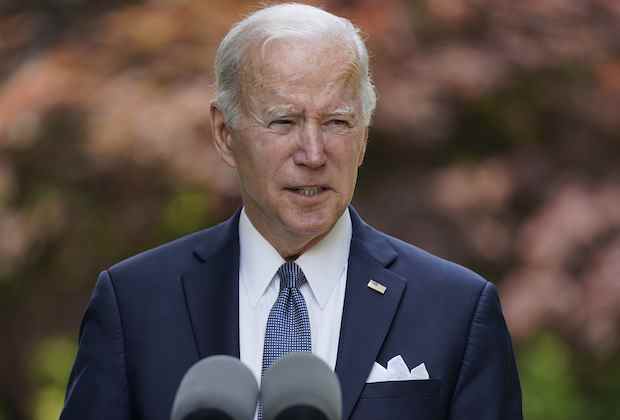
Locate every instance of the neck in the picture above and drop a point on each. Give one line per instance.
(291, 250)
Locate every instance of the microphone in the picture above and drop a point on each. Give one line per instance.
(216, 388)
(300, 386)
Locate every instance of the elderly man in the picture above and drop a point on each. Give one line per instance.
(409, 335)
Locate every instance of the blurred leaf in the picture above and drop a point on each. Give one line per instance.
(48, 403)
(550, 390)
(51, 364)
(187, 211)
(52, 360)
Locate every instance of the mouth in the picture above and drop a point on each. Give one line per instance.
(308, 191)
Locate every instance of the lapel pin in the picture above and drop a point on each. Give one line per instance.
(377, 287)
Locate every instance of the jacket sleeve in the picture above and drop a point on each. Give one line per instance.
(98, 382)
(488, 386)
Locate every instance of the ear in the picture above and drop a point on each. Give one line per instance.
(363, 148)
(222, 135)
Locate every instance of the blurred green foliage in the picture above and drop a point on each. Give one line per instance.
(561, 384)
(550, 387)
(185, 212)
(52, 358)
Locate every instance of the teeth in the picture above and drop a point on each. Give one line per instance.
(309, 191)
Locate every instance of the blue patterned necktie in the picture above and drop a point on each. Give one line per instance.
(288, 325)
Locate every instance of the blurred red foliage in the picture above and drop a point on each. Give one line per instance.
(495, 143)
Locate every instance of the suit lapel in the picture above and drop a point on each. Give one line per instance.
(212, 291)
(212, 294)
(367, 314)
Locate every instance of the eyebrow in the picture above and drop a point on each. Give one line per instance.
(346, 110)
(279, 110)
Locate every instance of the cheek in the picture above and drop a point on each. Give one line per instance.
(260, 168)
(351, 153)
(250, 153)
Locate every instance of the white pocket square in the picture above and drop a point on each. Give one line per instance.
(397, 370)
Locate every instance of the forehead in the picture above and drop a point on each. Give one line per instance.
(302, 69)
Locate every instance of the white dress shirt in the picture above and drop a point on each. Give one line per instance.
(325, 268)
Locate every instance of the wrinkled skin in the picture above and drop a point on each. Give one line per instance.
(298, 142)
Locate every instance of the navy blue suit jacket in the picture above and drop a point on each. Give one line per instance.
(153, 316)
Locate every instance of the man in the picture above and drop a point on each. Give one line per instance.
(294, 102)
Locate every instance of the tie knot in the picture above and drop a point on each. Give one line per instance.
(291, 275)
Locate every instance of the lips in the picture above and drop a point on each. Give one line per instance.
(308, 191)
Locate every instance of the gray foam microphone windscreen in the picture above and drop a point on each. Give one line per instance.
(216, 388)
(301, 383)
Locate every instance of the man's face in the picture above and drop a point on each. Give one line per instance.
(298, 142)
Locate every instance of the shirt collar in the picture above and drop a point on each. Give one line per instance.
(322, 264)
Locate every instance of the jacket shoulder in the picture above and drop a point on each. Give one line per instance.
(431, 270)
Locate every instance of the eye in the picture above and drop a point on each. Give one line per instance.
(281, 122)
(339, 123)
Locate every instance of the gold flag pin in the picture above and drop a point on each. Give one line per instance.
(377, 287)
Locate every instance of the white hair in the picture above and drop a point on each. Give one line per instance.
(289, 20)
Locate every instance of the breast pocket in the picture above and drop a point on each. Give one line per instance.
(399, 400)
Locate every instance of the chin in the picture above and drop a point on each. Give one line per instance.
(312, 224)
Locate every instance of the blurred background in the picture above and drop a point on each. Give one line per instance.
(496, 144)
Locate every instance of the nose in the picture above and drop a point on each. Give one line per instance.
(311, 148)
